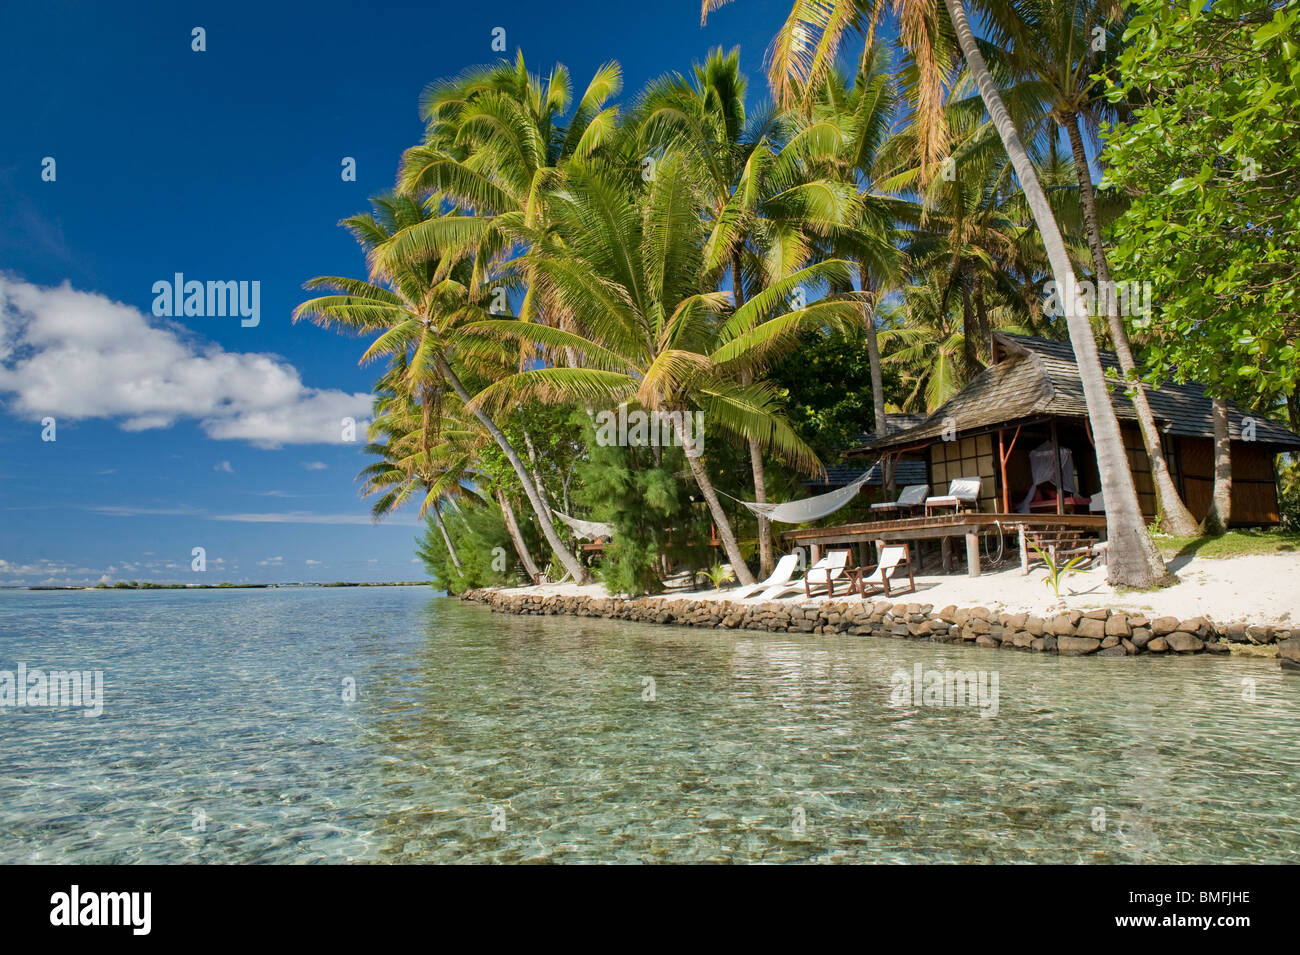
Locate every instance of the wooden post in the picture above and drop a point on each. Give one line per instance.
(815, 551)
(1056, 467)
(1024, 551)
(973, 553)
(945, 553)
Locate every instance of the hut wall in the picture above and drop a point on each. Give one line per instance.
(1254, 480)
(1139, 464)
(966, 457)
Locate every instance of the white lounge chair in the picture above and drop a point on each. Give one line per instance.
(892, 559)
(962, 492)
(785, 568)
(913, 496)
(820, 576)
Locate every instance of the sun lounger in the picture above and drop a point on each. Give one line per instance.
(785, 569)
(867, 580)
(962, 493)
(913, 497)
(821, 576)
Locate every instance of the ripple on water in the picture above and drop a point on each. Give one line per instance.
(224, 738)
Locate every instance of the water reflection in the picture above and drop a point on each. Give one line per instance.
(478, 737)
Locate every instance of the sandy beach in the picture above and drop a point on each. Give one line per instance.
(1259, 589)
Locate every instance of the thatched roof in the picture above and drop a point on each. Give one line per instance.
(1039, 379)
(907, 472)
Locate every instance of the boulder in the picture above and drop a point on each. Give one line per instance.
(1077, 646)
(1118, 626)
(1185, 642)
(1091, 627)
(1164, 625)
(1141, 636)
(1158, 645)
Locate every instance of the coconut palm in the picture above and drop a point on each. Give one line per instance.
(421, 312)
(763, 205)
(1063, 49)
(806, 49)
(629, 264)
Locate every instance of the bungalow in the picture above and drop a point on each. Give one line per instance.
(1021, 426)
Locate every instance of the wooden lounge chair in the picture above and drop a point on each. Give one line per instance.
(892, 559)
(785, 568)
(823, 574)
(913, 497)
(962, 493)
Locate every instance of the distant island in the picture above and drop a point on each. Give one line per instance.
(226, 585)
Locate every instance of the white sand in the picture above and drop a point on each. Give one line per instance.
(1261, 589)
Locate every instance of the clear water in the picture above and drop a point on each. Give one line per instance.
(225, 738)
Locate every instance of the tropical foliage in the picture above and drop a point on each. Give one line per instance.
(789, 272)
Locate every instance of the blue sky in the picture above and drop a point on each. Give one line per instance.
(223, 165)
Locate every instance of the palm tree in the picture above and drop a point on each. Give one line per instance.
(421, 313)
(1055, 48)
(628, 263)
(1133, 559)
(761, 203)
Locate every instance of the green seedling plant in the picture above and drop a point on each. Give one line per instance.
(1056, 570)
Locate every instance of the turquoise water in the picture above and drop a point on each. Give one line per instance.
(487, 738)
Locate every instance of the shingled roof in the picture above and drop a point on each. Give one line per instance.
(1039, 378)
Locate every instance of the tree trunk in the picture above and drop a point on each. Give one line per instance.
(1220, 513)
(446, 539)
(766, 560)
(1132, 558)
(516, 538)
(877, 378)
(701, 475)
(1175, 517)
(571, 563)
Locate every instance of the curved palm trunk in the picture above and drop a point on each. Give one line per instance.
(446, 539)
(571, 563)
(701, 475)
(877, 378)
(1132, 558)
(1175, 516)
(516, 538)
(766, 560)
(1220, 513)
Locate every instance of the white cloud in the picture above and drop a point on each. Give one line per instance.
(315, 465)
(78, 355)
(271, 562)
(224, 466)
(314, 563)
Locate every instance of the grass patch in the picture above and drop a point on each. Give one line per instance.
(1231, 544)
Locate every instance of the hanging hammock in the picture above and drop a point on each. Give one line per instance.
(810, 508)
(590, 530)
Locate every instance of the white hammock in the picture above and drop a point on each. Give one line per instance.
(589, 530)
(810, 508)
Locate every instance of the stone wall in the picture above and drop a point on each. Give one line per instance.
(1075, 633)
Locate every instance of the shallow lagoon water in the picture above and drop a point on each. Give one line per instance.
(225, 738)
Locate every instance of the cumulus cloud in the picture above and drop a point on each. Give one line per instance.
(224, 466)
(78, 355)
(315, 465)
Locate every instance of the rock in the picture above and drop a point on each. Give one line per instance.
(1100, 614)
(1129, 646)
(1218, 646)
(1185, 642)
(1260, 635)
(1117, 626)
(984, 640)
(1158, 645)
(1061, 626)
(1091, 627)
(1290, 650)
(1110, 642)
(1035, 626)
(1163, 625)
(1077, 646)
(1043, 644)
(1015, 621)
(1020, 638)
(1141, 636)
(1196, 625)
(1115, 651)
(1235, 633)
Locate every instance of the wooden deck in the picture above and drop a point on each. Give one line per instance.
(945, 527)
